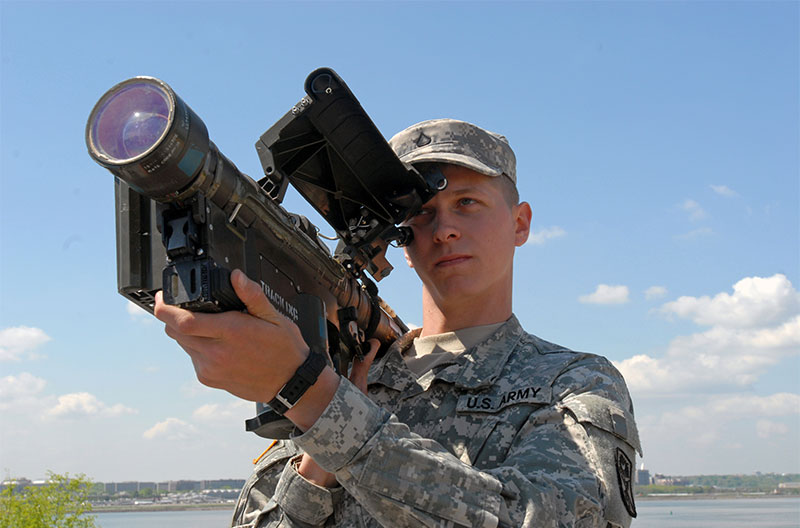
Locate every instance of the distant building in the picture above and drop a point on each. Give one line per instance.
(643, 476)
(223, 483)
(17, 483)
(665, 480)
(120, 487)
(170, 486)
(188, 485)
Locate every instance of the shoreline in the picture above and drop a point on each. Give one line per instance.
(713, 496)
(126, 508)
(220, 506)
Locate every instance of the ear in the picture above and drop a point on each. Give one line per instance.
(408, 259)
(522, 223)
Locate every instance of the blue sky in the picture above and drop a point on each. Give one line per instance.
(657, 143)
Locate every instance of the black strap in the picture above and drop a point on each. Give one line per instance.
(305, 376)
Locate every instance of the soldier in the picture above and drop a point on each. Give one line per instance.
(467, 421)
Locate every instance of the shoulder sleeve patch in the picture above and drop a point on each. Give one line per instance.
(625, 480)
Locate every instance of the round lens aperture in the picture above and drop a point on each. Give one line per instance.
(131, 120)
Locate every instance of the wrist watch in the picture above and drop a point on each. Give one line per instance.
(305, 376)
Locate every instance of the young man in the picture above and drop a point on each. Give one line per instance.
(468, 421)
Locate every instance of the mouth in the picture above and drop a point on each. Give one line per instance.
(451, 260)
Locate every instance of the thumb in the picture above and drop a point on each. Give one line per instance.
(251, 294)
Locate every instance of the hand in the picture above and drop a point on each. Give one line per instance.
(251, 355)
(360, 369)
(309, 469)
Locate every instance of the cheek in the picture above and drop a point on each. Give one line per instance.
(408, 257)
(498, 241)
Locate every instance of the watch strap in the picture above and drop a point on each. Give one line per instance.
(304, 377)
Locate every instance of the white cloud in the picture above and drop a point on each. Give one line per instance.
(234, 411)
(748, 405)
(20, 390)
(768, 429)
(696, 233)
(171, 429)
(655, 292)
(19, 341)
(756, 301)
(84, 404)
(606, 294)
(541, 236)
(711, 423)
(696, 212)
(724, 190)
(750, 331)
(717, 357)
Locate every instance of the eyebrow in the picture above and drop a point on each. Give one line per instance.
(471, 189)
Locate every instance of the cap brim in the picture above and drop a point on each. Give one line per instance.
(469, 162)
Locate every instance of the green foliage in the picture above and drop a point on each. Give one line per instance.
(743, 483)
(146, 493)
(758, 483)
(61, 503)
(658, 489)
(98, 488)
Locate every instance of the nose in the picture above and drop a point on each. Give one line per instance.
(445, 228)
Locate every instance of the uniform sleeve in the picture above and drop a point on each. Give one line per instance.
(551, 475)
(277, 495)
(400, 478)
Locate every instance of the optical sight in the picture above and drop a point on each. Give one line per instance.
(143, 133)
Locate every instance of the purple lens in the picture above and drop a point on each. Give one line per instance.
(131, 121)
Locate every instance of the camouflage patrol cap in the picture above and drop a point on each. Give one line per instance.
(457, 142)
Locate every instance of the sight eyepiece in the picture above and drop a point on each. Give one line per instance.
(147, 136)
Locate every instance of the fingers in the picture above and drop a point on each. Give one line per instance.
(187, 341)
(251, 355)
(253, 297)
(358, 374)
(210, 325)
(184, 321)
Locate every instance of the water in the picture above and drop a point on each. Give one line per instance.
(166, 519)
(704, 513)
(719, 513)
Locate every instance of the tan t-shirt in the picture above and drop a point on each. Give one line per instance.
(431, 351)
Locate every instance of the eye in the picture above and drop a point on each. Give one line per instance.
(419, 217)
(467, 201)
(422, 212)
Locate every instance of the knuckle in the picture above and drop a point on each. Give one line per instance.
(185, 324)
(202, 378)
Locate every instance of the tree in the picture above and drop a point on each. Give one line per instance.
(146, 493)
(62, 502)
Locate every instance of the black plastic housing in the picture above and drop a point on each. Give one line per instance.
(184, 231)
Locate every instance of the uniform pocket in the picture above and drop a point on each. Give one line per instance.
(255, 499)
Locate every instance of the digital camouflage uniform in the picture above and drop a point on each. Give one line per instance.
(515, 431)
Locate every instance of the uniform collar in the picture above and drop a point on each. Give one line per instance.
(476, 367)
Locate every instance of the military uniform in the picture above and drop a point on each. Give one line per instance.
(515, 431)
